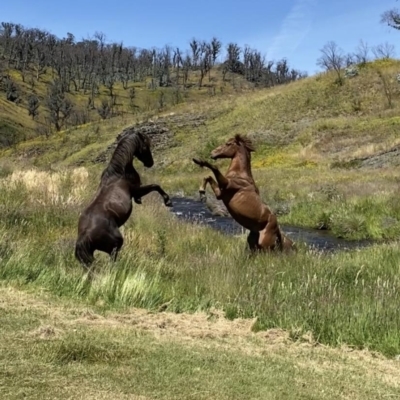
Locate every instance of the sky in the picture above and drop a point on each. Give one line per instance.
(294, 29)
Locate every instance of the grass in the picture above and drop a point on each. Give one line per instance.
(53, 349)
(346, 298)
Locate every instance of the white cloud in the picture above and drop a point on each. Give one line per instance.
(293, 30)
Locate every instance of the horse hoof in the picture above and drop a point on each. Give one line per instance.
(203, 196)
(198, 162)
(168, 203)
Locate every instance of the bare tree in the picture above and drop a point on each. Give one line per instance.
(33, 106)
(362, 53)
(233, 58)
(59, 106)
(186, 66)
(205, 61)
(177, 62)
(195, 46)
(384, 51)
(105, 109)
(216, 46)
(387, 85)
(332, 59)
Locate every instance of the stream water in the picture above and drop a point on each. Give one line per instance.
(195, 211)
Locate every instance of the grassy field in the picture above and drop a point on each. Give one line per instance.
(63, 349)
(307, 325)
(247, 327)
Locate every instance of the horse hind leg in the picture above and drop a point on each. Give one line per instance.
(116, 243)
(271, 237)
(253, 241)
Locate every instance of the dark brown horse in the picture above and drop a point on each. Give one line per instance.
(240, 194)
(98, 226)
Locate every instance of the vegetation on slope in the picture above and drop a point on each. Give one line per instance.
(55, 83)
(310, 137)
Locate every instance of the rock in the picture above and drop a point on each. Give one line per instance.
(158, 130)
(389, 158)
(158, 133)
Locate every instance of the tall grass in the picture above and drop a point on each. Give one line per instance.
(347, 297)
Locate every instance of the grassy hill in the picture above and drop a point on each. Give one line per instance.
(326, 157)
(17, 125)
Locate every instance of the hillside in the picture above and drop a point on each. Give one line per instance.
(316, 141)
(313, 115)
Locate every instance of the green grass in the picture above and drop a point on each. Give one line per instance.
(61, 349)
(346, 298)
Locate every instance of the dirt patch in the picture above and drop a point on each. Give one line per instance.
(388, 158)
(46, 332)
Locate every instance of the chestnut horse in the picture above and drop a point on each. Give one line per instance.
(98, 226)
(239, 192)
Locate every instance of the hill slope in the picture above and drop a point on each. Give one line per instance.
(310, 137)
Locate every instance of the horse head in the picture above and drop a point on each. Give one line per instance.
(143, 152)
(231, 147)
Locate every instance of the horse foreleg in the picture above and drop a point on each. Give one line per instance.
(146, 189)
(214, 186)
(222, 181)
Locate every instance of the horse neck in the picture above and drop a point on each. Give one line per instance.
(121, 159)
(241, 163)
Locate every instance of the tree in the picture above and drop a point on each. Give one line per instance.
(195, 46)
(216, 46)
(233, 58)
(33, 106)
(391, 18)
(385, 51)
(332, 59)
(105, 109)
(60, 107)
(362, 53)
(11, 89)
(205, 63)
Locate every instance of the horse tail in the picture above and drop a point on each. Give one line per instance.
(83, 252)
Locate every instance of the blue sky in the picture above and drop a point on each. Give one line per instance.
(295, 29)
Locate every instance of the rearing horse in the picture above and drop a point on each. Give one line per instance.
(98, 226)
(240, 194)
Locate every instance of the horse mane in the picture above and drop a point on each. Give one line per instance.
(245, 141)
(123, 154)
